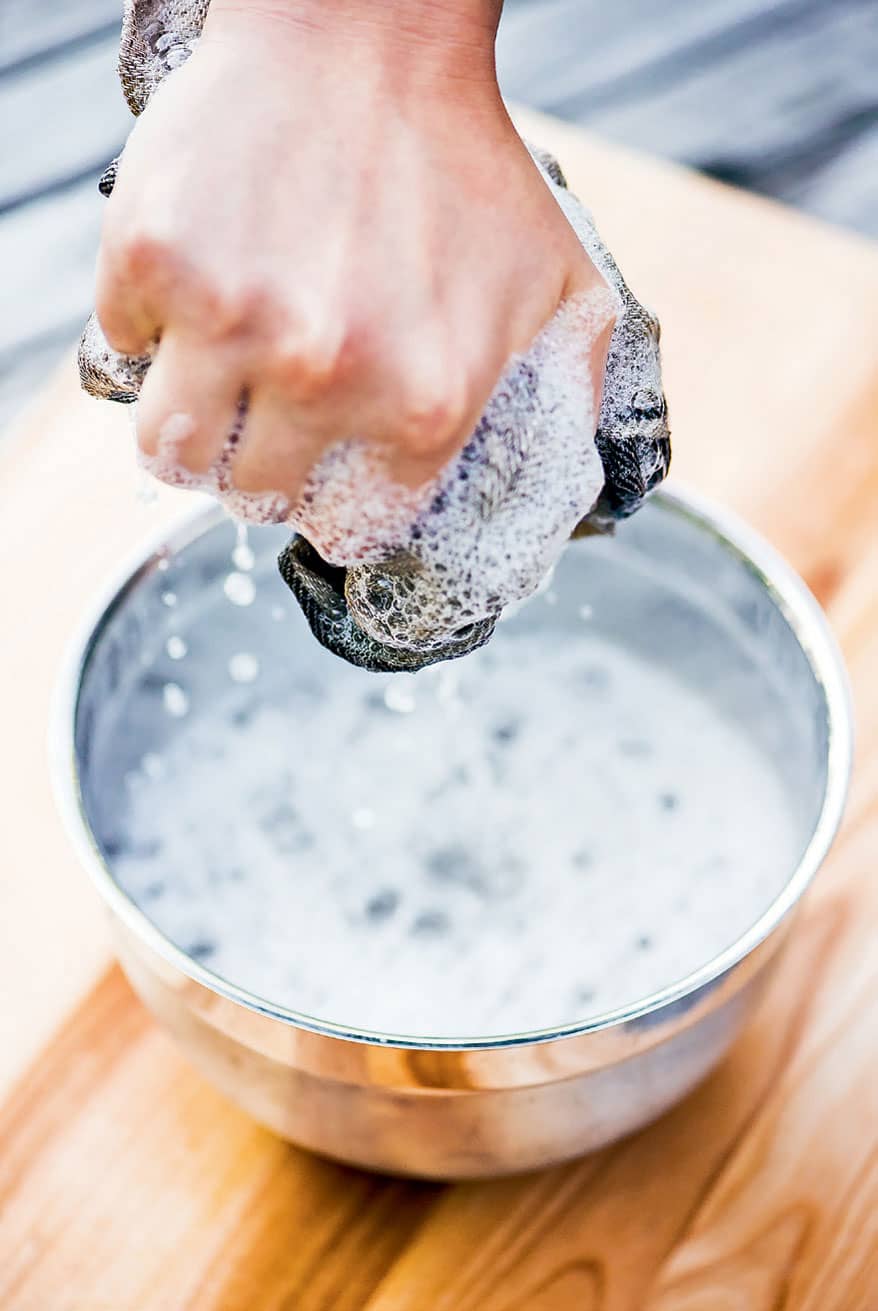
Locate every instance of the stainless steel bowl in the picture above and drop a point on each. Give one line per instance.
(682, 580)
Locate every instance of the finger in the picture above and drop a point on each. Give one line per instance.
(418, 408)
(188, 402)
(414, 465)
(129, 324)
(126, 323)
(280, 444)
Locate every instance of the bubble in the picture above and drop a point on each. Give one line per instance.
(176, 647)
(399, 696)
(163, 564)
(169, 599)
(586, 612)
(363, 818)
(243, 667)
(239, 588)
(175, 699)
(278, 613)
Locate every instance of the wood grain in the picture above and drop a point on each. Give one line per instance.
(127, 1184)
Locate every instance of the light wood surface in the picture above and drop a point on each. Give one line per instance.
(127, 1184)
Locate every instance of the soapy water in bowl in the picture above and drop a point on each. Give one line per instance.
(541, 832)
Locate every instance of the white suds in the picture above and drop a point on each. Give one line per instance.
(484, 532)
(512, 866)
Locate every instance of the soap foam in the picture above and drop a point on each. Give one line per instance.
(483, 532)
(452, 853)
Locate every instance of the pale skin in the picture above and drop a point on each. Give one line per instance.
(374, 281)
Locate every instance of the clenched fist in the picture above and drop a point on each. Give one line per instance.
(326, 211)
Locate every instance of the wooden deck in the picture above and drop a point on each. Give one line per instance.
(776, 95)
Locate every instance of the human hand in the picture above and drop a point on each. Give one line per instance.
(334, 216)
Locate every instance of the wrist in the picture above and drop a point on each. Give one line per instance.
(446, 38)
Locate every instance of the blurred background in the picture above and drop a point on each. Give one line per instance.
(779, 96)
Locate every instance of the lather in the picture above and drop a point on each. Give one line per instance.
(396, 580)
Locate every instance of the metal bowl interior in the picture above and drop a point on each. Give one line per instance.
(681, 583)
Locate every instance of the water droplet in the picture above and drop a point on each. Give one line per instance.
(398, 696)
(242, 556)
(363, 817)
(585, 612)
(176, 647)
(278, 613)
(152, 765)
(243, 667)
(175, 699)
(169, 599)
(163, 564)
(239, 588)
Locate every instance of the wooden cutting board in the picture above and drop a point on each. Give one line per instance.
(128, 1184)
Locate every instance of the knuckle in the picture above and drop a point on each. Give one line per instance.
(433, 405)
(233, 310)
(431, 415)
(309, 364)
(141, 255)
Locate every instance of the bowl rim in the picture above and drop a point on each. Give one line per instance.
(788, 592)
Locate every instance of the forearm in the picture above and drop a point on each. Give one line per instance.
(455, 37)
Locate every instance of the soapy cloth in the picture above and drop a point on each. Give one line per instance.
(391, 578)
